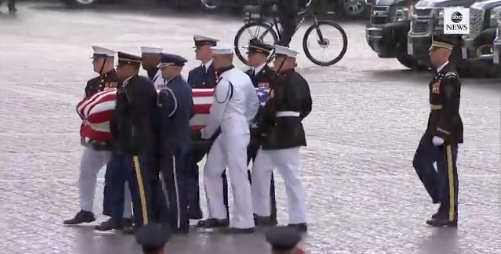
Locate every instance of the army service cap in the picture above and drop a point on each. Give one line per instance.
(283, 238)
(222, 49)
(285, 51)
(153, 235)
(257, 46)
(102, 52)
(441, 42)
(128, 59)
(171, 60)
(201, 40)
(151, 50)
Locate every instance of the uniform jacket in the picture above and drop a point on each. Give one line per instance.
(290, 102)
(444, 120)
(263, 77)
(103, 82)
(156, 78)
(132, 122)
(199, 77)
(175, 104)
(235, 104)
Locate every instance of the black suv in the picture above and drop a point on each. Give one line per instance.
(387, 30)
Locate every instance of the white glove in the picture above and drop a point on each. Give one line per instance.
(437, 141)
(202, 131)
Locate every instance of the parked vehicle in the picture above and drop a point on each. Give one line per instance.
(386, 32)
(496, 44)
(428, 21)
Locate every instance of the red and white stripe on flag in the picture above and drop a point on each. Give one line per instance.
(96, 111)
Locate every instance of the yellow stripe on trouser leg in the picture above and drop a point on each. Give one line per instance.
(140, 185)
(450, 173)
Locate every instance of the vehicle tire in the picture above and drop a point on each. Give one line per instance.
(79, 3)
(411, 63)
(266, 28)
(325, 42)
(354, 9)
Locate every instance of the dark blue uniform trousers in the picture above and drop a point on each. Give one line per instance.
(173, 172)
(137, 171)
(111, 190)
(442, 183)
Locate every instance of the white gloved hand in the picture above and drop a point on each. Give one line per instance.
(202, 132)
(437, 141)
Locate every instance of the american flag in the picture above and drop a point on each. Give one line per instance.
(263, 94)
(95, 111)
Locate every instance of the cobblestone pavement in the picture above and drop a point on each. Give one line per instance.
(368, 116)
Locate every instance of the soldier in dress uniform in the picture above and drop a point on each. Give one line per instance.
(96, 154)
(283, 134)
(175, 104)
(203, 76)
(439, 144)
(151, 59)
(261, 75)
(235, 106)
(132, 125)
(284, 240)
(153, 238)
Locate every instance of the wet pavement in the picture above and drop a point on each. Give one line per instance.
(368, 116)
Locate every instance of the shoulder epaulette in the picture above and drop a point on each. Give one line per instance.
(450, 75)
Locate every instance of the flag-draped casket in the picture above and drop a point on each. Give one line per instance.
(95, 111)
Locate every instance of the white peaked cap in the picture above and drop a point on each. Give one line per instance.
(153, 50)
(281, 50)
(222, 49)
(103, 51)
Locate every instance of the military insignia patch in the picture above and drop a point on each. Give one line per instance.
(435, 88)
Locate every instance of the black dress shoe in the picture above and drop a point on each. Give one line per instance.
(128, 222)
(213, 223)
(441, 222)
(238, 231)
(81, 217)
(264, 221)
(301, 227)
(129, 231)
(109, 225)
(195, 214)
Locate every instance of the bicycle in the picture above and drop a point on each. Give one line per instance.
(255, 18)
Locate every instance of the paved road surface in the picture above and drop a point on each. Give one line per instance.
(368, 115)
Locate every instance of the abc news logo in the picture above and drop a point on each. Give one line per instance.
(456, 19)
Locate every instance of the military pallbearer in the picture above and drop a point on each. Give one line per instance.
(439, 144)
(282, 136)
(175, 104)
(235, 106)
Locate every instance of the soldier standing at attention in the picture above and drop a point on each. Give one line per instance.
(261, 75)
(203, 76)
(96, 153)
(235, 106)
(132, 124)
(283, 134)
(175, 108)
(442, 137)
(151, 59)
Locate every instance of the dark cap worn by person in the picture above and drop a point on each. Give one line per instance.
(256, 46)
(201, 40)
(167, 59)
(441, 42)
(283, 238)
(128, 59)
(153, 237)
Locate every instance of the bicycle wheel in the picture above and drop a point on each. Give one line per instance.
(263, 30)
(322, 40)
